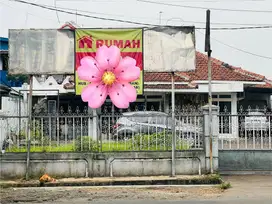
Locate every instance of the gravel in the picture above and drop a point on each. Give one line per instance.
(62, 194)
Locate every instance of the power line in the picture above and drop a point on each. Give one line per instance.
(238, 49)
(208, 1)
(49, 19)
(241, 28)
(230, 46)
(174, 19)
(205, 8)
(55, 3)
(84, 15)
(128, 21)
(241, 50)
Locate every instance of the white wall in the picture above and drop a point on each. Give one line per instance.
(1, 64)
(9, 117)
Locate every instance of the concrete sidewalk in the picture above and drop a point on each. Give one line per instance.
(119, 181)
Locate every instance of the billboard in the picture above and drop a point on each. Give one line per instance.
(169, 49)
(129, 41)
(41, 51)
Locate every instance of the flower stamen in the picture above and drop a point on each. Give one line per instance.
(108, 78)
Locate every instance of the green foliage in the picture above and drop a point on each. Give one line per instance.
(162, 139)
(35, 134)
(156, 141)
(225, 185)
(86, 143)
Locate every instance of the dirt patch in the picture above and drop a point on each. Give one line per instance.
(25, 195)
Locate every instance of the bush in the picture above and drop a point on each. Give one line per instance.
(157, 141)
(225, 185)
(86, 143)
(35, 134)
(154, 140)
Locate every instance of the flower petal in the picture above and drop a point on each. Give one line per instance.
(127, 70)
(88, 71)
(108, 57)
(124, 64)
(128, 90)
(95, 94)
(118, 97)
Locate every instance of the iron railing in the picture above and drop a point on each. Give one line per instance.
(248, 129)
(73, 131)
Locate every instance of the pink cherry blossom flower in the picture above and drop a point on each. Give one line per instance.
(109, 74)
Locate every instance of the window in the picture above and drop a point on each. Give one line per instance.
(52, 106)
(224, 96)
(214, 96)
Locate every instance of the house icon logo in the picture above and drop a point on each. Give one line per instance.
(85, 42)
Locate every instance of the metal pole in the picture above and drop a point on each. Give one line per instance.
(29, 125)
(173, 167)
(210, 110)
(209, 51)
(18, 140)
(160, 15)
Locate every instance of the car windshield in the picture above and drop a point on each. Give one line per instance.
(256, 114)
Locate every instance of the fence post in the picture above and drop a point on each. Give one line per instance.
(215, 135)
(95, 125)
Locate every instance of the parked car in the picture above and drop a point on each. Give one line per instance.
(256, 121)
(149, 122)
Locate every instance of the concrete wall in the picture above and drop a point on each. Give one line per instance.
(8, 124)
(13, 165)
(245, 161)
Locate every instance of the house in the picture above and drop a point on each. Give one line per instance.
(9, 97)
(234, 89)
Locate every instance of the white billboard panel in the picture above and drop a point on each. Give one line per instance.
(169, 49)
(41, 51)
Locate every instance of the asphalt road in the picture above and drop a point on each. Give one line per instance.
(245, 190)
(236, 201)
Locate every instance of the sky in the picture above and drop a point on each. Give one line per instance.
(249, 49)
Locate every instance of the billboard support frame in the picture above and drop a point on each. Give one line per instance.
(173, 164)
(29, 126)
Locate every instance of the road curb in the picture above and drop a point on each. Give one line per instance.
(148, 181)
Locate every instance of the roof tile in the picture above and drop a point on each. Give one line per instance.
(220, 71)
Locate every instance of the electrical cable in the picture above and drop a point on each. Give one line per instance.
(134, 22)
(238, 49)
(205, 8)
(55, 3)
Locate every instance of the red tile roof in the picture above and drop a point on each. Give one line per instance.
(220, 71)
(168, 86)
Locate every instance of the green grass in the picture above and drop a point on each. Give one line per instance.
(154, 142)
(225, 185)
(106, 147)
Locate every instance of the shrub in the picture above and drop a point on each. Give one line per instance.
(225, 185)
(35, 133)
(157, 141)
(86, 143)
(154, 140)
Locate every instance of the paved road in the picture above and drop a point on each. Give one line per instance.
(237, 201)
(245, 190)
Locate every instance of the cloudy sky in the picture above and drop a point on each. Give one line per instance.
(249, 49)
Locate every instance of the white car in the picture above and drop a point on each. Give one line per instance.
(256, 121)
(148, 122)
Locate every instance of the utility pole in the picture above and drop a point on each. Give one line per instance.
(173, 166)
(209, 52)
(160, 15)
(29, 127)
